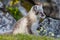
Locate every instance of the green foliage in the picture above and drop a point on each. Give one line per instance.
(25, 37)
(15, 12)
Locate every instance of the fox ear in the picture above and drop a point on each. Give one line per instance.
(35, 8)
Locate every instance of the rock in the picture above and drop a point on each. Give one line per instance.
(5, 2)
(20, 8)
(51, 27)
(53, 10)
(6, 21)
(1, 5)
(58, 5)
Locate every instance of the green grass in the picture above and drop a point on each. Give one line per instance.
(25, 37)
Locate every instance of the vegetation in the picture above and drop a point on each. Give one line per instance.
(24, 37)
(15, 12)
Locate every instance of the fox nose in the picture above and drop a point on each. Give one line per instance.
(42, 15)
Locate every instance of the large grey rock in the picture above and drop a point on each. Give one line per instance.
(21, 9)
(6, 2)
(56, 9)
(50, 27)
(6, 22)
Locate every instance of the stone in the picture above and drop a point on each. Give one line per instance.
(6, 2)
(1, 5)
(6, 21)
(51, 27)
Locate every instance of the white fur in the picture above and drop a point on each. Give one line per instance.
(21, 25)
(34, 28)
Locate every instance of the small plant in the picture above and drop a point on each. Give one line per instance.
(14, 12)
